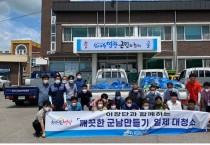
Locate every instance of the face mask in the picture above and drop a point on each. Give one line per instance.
(118, 97)
(104, 100)
(71, 81)
(74, 104)
(113, 107)
(100, 105)
(135, 91)
(129, 105)
(46, 109)
(207, 90)
(57, 81)
(64, 81)
(79, 77)
(152, 92)
(84, 91)
(45, 81)
(146, 108)
(171, 89)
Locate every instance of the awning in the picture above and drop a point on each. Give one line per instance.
(13, 58)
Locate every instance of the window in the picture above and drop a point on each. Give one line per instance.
(168, 64)
(24, 69)
(206, 62)
(207, 73)
(70, 33)
(20, 49)
(116, 32)
(193, 32)
(163, 31)
(181, 64)
(154, 64)
(190, 63)
(33, 62)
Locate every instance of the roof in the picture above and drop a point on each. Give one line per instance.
(26, 41)
(13, 58)
(134, 6)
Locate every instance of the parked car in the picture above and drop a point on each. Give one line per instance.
(4, 82)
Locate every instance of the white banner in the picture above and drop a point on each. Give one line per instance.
(116, 44)
(123, 123)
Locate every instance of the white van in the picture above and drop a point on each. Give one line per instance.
(202, 73)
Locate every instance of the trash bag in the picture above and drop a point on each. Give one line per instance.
(145, 81)
(104, 85)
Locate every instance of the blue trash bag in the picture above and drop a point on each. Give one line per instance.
(124, 85)
(155, 81)
(177, 84)
(104, 85)
(115, 85)
(145, 81)
(163, 83)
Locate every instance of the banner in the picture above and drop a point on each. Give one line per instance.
(116, 44)
(123, 123)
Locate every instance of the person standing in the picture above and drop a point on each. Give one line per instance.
(79, 82)
(205, 97)
(137, 95)
(85, 96)
(64, 79)
(43, 90)
(194, 89)
(71, 89)
(57, 95)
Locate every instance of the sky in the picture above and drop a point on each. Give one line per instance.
(18, 21)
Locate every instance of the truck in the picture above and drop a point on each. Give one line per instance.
(109, 75)
(29, 91)
(161, 73)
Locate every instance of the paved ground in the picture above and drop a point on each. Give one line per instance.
(16, 127)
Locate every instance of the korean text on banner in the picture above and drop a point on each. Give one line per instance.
(123, 123)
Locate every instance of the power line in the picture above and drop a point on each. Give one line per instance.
(19, 17)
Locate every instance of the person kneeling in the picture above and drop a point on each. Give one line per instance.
(39, 122)
(74, 105)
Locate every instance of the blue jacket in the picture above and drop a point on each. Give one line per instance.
(134, 106)
(78, 107)
(119, 103)
(79, 83)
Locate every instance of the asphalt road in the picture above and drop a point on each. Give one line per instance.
(16, 127)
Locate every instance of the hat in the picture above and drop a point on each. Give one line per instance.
(117, 93)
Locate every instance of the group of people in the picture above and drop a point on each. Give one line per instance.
(70, 94)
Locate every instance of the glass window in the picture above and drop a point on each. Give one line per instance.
(67, 34)
(180, 32)
(201, 73)
(53, 38)
(91, 32)
(79, 32)
(21, 49)
(143, 31)
(129, 31)
(206, 62)
(104, 33)
(190, 63)
(155, 64)
(119, 32)
(85, 66)
(205, 32)
(192, 32)
(181, 64)
(167, 33)
(168, 64)
(207, 73)
(53, 29)
(57, 66)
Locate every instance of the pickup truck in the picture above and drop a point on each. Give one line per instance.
(162, 73)
(28, 92)
(109, 76)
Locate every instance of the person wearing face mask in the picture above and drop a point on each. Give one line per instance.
(85, 97)
(205, 97)
(57, 94)
(71, 89)
(100, 106)
(119, 101)
(112, 105)
(145, 105)
(74, 105)
(159, 104)
(137, 95)
(43, 90)
(39, 122)
(64, 79)
(174, 104)
(79, 82)
(151, 95)
(129, 105)
(168, 91)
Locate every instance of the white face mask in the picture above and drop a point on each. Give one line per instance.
(74, 104)
(118, 97)
(100, 105)
(129, 105)
(79, 77)
(46, 109)
(207, 90)
(45, 81)
(71, 81)
(152, 92)
(171, 89)
(84, 91)
(104, 100)
(135, 91)
(113, 107)
(57, 81)
(146, 108)
(64, 81)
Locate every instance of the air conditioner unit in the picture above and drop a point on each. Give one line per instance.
(50, 52)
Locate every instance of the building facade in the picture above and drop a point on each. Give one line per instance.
(30, 49)
(183, 26)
